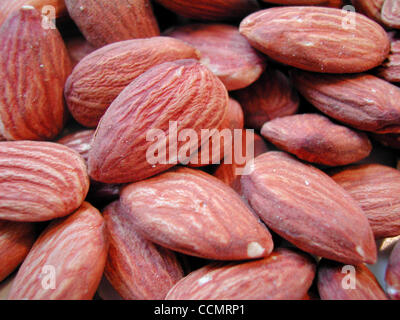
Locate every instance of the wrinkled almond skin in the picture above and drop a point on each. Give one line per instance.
(16, 239)
(102, 75)
(327, 3)
(361, 101)
(391, 13)
(137, 268)
(40, 180)
(103, 22)
(306, 207)
(78, 48)
(392, 276)
(284, 275)
(225, 52)
(332, 284)
(211, 9)
(38, 113)
(271, 96)
(189, 211)
(370, 8)
(390, 69)
(76, 247)
(183, 91)
(314, 138)
(377, 190)
(315, 39)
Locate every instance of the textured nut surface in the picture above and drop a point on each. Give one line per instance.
(390, 69)
(392, 276)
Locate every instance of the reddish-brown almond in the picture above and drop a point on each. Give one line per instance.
(78, 48)
(392, 276)
(103, 22)
(271, 96)
(314, 138)
(284, 275)
(40, 180)
(390, 69)
(16, 239)
(327, 3)
(80, 141)
(391, 140)
(225, 52)
(101, 76)
(306, 207)
(391, 13)
(31, 98)
(211, 9)
(67, 261)
(192, 212)
(361, 101)
(136, 268)
(317, 39)
(128, 140)
(370, 8)
(377, 190)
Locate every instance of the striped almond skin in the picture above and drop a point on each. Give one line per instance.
(334, 282)
(361, 101)
(284, 275)
(212, 10)
(390, 69)
(192, 212)
(225, 52)
(370, 8)
(306, 207)
(314, 138)
(16, 239)
(327, 3)
(136, 268)
(40, 181)
(31, 98)
(102, 75)
(317, 39)
(392, 276)
(271, 96)
(73, 250)
(103, 22)
(391, 13)
(376, 188)
(129, 142)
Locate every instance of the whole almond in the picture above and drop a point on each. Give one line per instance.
(391, 13)
(285, 275)
(192, 212)
(31, 98)
(370, 8)
(40, 180)
(317, 39)
(392, 276)
(306, 207)
(102, 75)
(390, 69)
(314, 138)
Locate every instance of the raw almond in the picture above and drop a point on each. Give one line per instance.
(390, 69)
(392, 276)
(391, 13)
(328, 3)
(78, 48)
(391, 140)
(370, 8)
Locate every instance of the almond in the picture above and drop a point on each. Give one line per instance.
(78, 48)
(361, 101)
(103, 22)
(391, 140)
(101, 76)
(392, 276)
(391, 13)
(328, 3)
(284, 275)
(314, 138)
(370, 8)
(79, 141)
(40, 180)
(306, 207)
(38, 113)
(390, 69)
(317, 39)
(67, 261)
(136, 268)
(225, 52)
(182, 91)
(192, 212)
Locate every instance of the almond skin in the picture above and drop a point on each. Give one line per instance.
(361, 101)
(225, 52)
(76, 247)
(331, 278)
(284, 275)
(316, 40)
(16, 239)
(102, 75)
(390, 69)
(80, 141)
(377, 190)
(392, 276)
(391, 14)
(40, 180)
(192, 212)
(183, 91)
(314, 138)
(136, 268)
(78, 48)
(38, 113)
(103, 22)
(271, 96)
(327, 3)
(306, 207)
(370, 8)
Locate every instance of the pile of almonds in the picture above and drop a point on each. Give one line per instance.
(84, 214)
